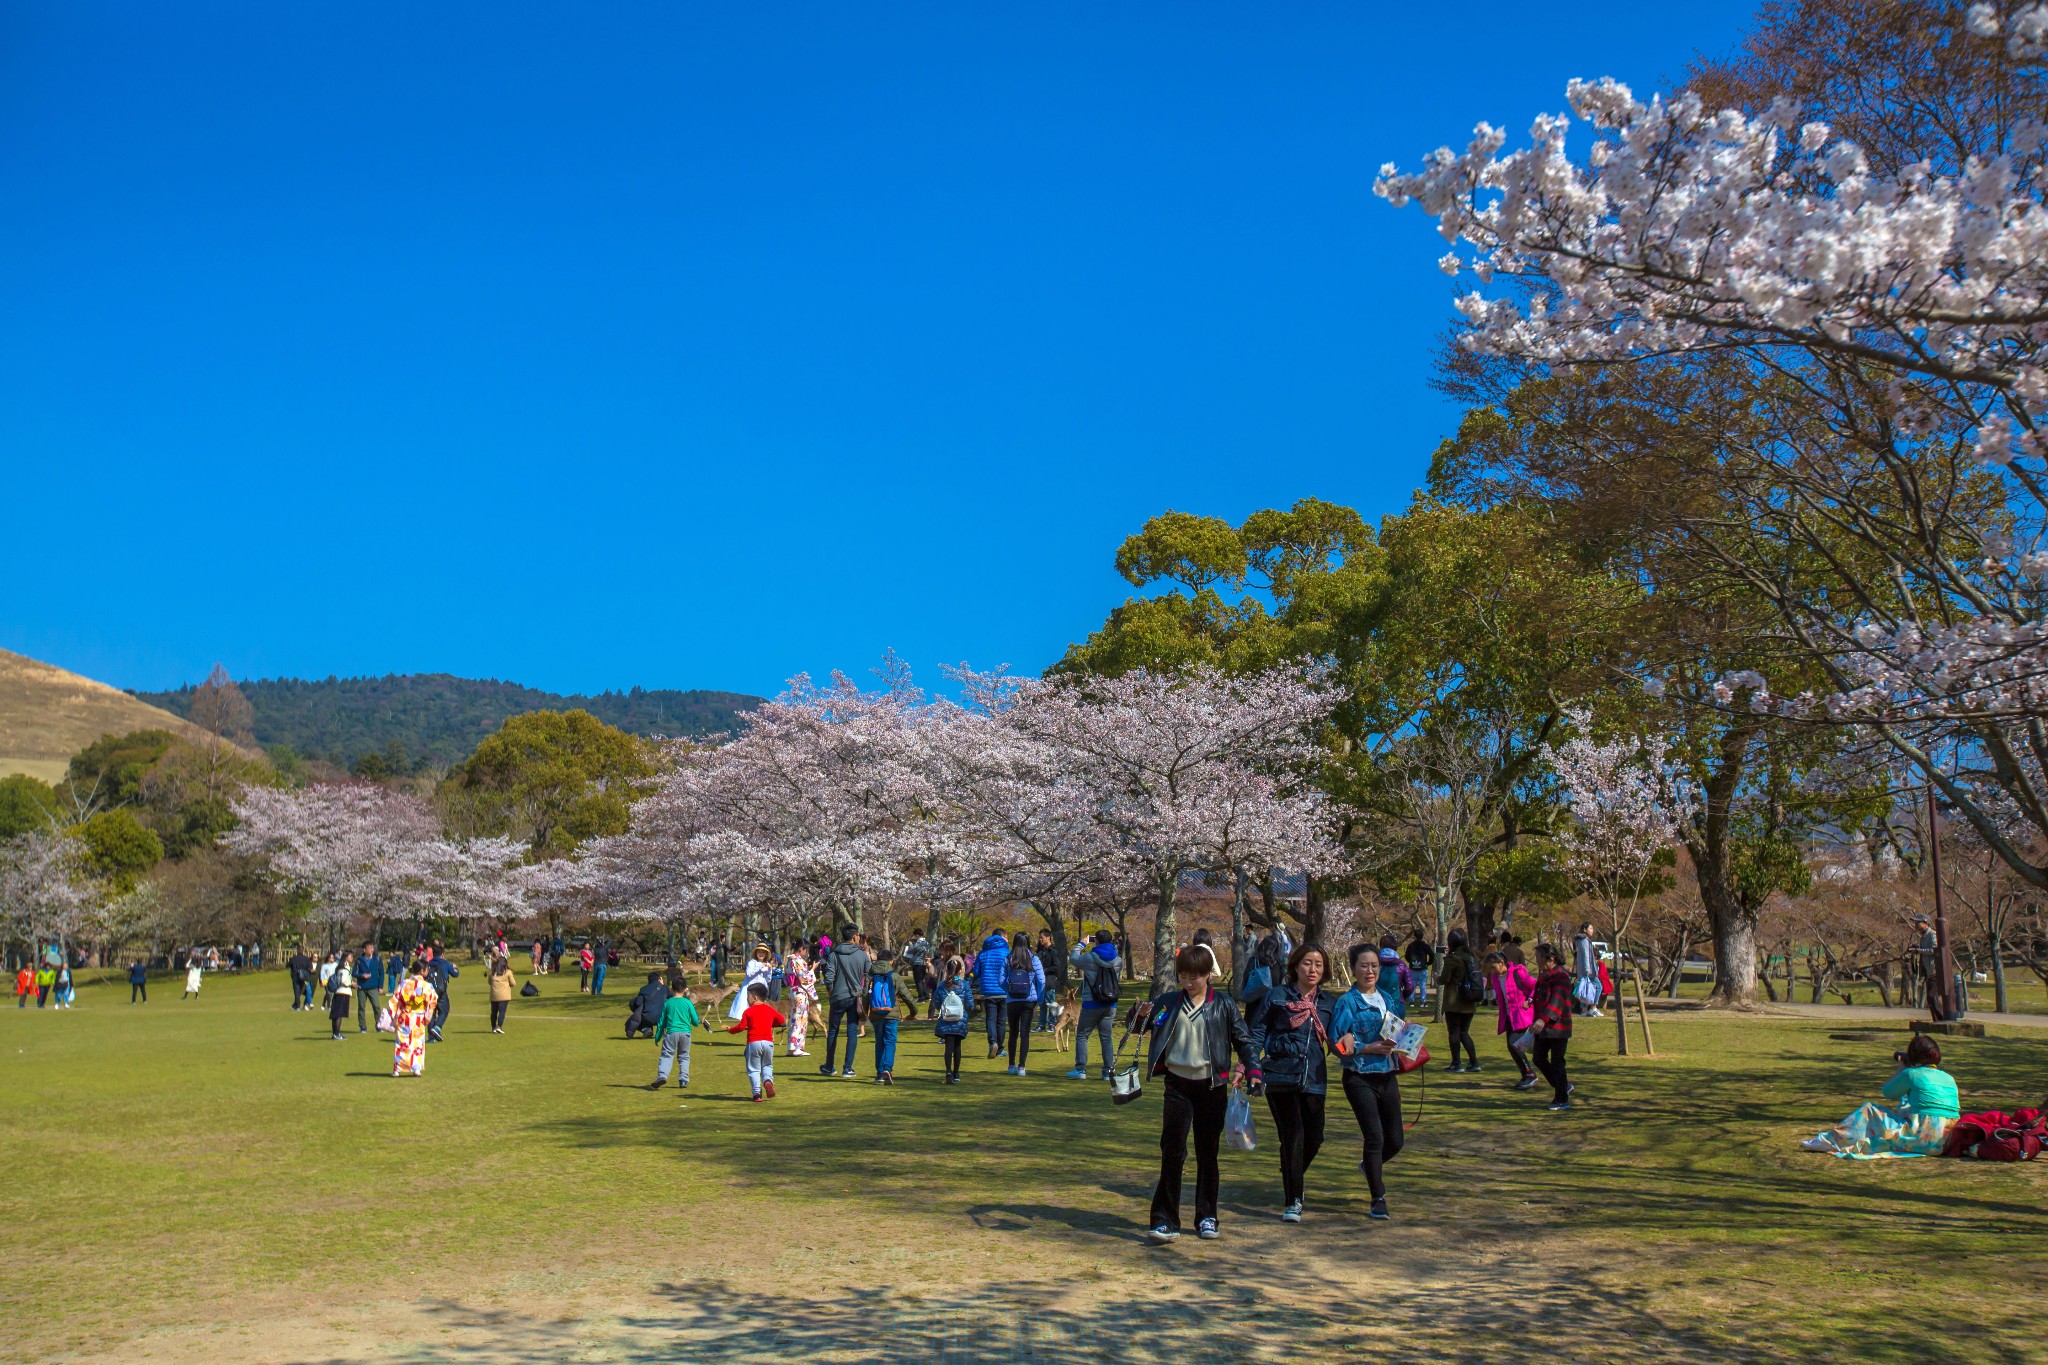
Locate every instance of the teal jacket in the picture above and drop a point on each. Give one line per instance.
(1362, 1015)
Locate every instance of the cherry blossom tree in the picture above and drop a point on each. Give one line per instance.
(1621, 830)
(46, 893)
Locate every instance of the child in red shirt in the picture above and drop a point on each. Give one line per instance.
(760, 1020)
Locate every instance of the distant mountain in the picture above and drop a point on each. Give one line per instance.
(48, 714)
(435, 719)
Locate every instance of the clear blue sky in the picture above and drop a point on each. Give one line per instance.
(692, 345)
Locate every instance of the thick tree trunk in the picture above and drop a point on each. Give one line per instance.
(1480, 920)
(1733, 929)
(1240, 936)
(1165, 941)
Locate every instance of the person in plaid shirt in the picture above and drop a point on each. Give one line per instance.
(1552, 1003)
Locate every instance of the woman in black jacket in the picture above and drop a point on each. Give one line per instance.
(1290, 1032)
(1194, 1032)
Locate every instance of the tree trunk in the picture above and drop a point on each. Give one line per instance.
(1642, 1012)
(1240, 936)
(1998, 971)
(1480, 917)
(1733, 929)
(1164, 939)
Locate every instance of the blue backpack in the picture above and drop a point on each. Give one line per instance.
(1017, 976)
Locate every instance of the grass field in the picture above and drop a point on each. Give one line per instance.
(215, 1180)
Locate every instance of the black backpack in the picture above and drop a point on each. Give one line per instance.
(1474, 984)
(529, 989)
(1101, 979)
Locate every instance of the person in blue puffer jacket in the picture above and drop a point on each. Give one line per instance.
(1370, 1082)
(990, 965)
(1291, 1028)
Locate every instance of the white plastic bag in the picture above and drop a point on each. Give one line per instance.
(1237, 1122)
(384, 1019)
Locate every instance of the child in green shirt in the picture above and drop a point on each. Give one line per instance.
(678, 1019)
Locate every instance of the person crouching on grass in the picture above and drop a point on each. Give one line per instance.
(758, 1021)
(1194, 1032)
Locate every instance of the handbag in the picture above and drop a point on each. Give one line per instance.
(1587, 992)
(1125, 1082)
(1404, 1065)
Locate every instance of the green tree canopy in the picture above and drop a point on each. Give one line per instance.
(26, 804)
(119, 848)
(552, 778)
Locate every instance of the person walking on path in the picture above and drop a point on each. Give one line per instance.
(1586, 992)
(1023, 984)
(193, 972)
(1102, 970)
(1551, 1006)
(1054, 973)
(990, 966)
(341, 988)
(440, 973)
(882, 1014)
(846, 985)
(802, 980)
(953, 1002)
(758, 1021)
(502, 984)
(1291, 1037)
(301, 968)
(1463, 987)
(1370, 1082)
(412, 1013)
(369, 988)
(138, 982)
(1194, 1034)
(1514, 989)
(679, 1019)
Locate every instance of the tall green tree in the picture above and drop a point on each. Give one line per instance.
(551, 778)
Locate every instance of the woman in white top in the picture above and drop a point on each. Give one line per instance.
(192, 974)
(759, 969)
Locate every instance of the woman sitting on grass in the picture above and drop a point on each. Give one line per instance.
(1916, 1126)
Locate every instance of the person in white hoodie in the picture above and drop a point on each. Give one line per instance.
(192, 975)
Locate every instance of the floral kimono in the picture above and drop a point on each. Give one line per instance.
(412, 1011)
(802, 979)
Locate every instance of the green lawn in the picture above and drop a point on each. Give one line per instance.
(214, 1179)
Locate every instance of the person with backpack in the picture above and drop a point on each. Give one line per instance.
(1513, 990)
(1420, 957)
(1267, 960)
(990, 965)
(1291, 1037)
(1194, 1033)
(953, 1007)
(1464, 991)
(1102, 969)
(1551, 1008)
(1371, 1083)
(440, 975)
(846, 986)
(1023, 984)
(341, 987)
(1055, 975)
(882, 1013)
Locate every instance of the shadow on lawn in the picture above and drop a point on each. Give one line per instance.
(1202, 1312)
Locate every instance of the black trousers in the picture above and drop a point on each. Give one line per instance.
(952, 1055)
(1298, 1119)
(1376, 1101)
(1459, 1026)
(848, 1014)
(1197, 1105)
(1518, 1057)
(1550, 1061)
(298, 991)
(135, 989)
(498, 1010)
(1021, 1012)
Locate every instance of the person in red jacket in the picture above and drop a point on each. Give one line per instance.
(1552, 1007)
(24, 987)
(758, 1021)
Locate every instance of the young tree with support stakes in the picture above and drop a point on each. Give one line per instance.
(1618, 837)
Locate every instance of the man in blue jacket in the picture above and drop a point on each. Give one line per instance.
(369, 982)
(1102, 969)
(990, 964)
(440, 971)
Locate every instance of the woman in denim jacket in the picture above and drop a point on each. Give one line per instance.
(1370, 1082)
(1292, 1025)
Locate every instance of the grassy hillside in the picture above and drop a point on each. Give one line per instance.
(438, 718)
(48, 714)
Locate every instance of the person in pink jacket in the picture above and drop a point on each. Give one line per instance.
(1514, 988)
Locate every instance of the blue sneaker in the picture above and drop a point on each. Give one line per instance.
(1077, 1074)
(1163, 1234)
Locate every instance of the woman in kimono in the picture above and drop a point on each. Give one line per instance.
(803, 996)
(412, 1011)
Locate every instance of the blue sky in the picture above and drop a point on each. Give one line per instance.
(692, 345)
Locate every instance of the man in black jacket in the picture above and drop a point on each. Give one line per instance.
(846, 985)
(301, 968)
(646, 1011)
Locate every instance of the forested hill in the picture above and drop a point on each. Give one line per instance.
(435, 719)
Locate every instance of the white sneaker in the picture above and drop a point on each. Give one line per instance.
(1292, 1213)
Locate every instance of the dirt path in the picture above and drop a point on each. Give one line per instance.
(1899, 1014)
